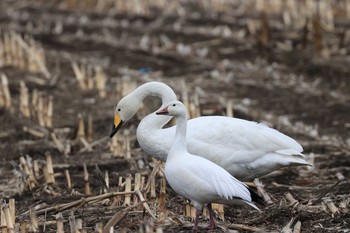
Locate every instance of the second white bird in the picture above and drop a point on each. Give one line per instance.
(198, 179)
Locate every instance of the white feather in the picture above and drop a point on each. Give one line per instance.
(245, 149)
(197, 178)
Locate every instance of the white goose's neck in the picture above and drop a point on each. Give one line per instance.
(150, 129)
(179, 144)
(155, 89)
(152, 121)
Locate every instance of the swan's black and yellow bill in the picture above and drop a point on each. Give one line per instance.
(163, 111)
(116, 125)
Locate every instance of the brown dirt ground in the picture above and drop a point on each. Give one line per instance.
(260, 75)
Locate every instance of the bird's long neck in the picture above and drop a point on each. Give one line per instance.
(156, 89)
(180, 137)
(150, 129)
(152, 121)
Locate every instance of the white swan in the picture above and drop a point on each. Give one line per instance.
(198, 179)
(245, 149)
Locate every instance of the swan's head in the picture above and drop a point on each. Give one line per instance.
(174, 108)
(124, 111)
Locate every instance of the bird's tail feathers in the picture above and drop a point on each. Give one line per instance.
(252, 205)
(290, 152)
(295, 161)
(288, 157)
(256, 197)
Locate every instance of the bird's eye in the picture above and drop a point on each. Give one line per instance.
(119, 109)
(174, 105)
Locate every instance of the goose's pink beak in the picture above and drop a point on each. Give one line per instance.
(163, 111)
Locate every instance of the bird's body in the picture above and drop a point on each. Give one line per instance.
(203, 181)
(245, 149)
(198, 179)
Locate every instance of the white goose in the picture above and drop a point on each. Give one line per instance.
(197, 178)
(245, 149)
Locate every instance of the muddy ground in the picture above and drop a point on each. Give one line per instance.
(298, 91)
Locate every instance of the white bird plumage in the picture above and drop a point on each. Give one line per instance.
(245, 149)
(198, 179)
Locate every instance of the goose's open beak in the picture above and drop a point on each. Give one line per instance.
(117, 124)
(163, 111)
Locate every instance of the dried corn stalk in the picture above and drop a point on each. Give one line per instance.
(100, 79)
(24, 100)
(25, 54)
(6, 97)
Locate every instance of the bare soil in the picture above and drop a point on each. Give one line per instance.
(295, 91)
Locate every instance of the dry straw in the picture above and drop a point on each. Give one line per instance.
(5, 97)
(59, 223)
(24, 100)
(25, 54)
(87, 189)
(259, 185)
(100, 79)
(120, 6)
(90, 77)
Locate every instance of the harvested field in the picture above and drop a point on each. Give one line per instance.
(64, 65)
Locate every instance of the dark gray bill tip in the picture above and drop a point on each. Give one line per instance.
(115, 129)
